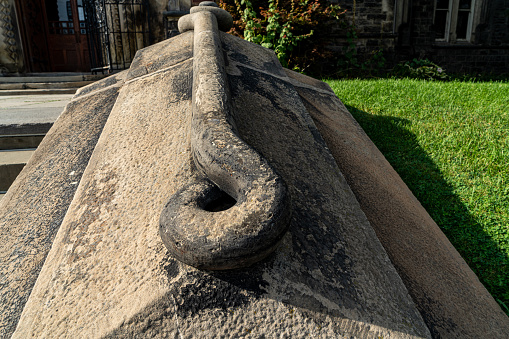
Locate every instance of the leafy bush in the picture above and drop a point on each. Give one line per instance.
(296, 30)
(420, 69)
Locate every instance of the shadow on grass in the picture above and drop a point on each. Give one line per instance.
(423, 177)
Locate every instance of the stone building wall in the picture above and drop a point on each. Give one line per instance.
(11, 57)
(374, 24)
(487, 52)
(413, 34)
(497, 26)
(402, 29)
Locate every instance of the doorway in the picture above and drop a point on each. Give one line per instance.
(54, 35)
(67, 36)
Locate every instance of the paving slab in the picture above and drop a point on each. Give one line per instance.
(22, 114)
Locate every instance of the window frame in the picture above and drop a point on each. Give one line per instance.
(451, 25)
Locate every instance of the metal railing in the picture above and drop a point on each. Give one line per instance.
(116, 30)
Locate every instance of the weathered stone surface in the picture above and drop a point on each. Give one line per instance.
(115, 79)
(259, 59)
(447, 293)
(109, 275)
(33, 208)
(250, 227)
(224, 20)
(162, 55)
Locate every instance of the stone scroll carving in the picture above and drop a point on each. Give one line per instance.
(236, 213)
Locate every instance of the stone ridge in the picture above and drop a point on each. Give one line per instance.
(248, 229)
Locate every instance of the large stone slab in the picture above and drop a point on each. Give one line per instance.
(448, 294)
(36, 203)
(109, 275)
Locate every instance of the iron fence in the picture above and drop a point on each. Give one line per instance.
(116, 30)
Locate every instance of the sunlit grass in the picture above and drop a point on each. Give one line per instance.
(449, 141)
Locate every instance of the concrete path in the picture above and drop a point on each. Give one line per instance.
(31, 109)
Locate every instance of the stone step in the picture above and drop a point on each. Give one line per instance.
(15, 151)
(51, 77)
(43, 85)
(16, 156)
(11, 164)
(46, 83)
(37, 91)
(9, 142)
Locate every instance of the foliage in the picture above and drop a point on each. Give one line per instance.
(295, 29)
(420, 69)
(449, 143)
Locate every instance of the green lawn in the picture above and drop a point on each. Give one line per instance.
(449, 141)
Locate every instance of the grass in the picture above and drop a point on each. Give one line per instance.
(449, 141)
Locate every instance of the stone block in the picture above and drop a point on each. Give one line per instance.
(109, 275)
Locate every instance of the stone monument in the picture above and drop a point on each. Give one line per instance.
(198, 194)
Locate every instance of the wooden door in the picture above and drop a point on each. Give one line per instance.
(32, 24)
(67, 36)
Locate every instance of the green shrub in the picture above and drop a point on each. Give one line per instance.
(297, 30)
(420, 69)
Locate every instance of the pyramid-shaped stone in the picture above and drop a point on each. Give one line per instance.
(109, 230)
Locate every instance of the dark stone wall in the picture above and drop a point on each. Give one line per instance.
(474, 59)
(487, 53)
(497, 23)
(376, 30)
(374, 24)
(371, 17)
